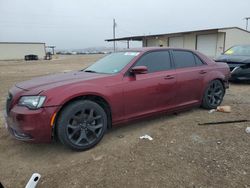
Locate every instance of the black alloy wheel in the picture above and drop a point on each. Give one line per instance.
(213, 95)
(82, 124)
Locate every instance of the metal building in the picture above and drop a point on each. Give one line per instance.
(17, 50)
(211, 42)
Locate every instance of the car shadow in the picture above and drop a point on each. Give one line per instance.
(148, 121)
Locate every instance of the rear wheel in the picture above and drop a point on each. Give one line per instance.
(213, 95)
(81, 124)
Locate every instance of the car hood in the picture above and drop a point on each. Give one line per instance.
(233, 59)
(40, 84)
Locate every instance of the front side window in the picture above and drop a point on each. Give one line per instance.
(155, 61)
(112, 63)
(183, 59)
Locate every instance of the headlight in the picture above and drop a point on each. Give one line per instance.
(32, 102)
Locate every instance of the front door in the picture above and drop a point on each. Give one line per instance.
(153, 91)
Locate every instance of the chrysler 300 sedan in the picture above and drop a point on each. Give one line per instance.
(78, 107)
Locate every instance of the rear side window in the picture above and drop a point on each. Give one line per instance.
(198, 61)
(155, 61)
(183, 59)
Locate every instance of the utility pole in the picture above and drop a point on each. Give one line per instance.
(114, 26)
(247, 18)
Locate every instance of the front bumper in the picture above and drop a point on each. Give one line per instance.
(240, 73)
(30, 125)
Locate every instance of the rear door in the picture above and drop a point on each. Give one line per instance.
(153, 91)
(190, 73)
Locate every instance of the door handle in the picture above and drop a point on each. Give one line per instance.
(168, 77)
(203, 72)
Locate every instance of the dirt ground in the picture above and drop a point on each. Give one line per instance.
(181, 154)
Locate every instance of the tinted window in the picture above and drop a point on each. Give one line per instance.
(198, 61)
(183, 59)
(155, 61)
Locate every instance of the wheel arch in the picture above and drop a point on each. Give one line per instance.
(223, 82)
(216, 78)
(93, 97)
(217, 75)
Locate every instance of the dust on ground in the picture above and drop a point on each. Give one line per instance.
(181, 154)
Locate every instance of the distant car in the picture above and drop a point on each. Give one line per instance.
(238, 59)
(48, 56)
(30, 57)
(78, 107)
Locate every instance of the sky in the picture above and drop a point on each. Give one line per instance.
(78, 24)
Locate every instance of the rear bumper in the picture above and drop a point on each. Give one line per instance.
(30, 125)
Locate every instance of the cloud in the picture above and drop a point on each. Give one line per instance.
(81, 24)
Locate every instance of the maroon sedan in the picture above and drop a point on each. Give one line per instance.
(78, 107)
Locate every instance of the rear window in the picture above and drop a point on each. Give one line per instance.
(183, 59)
(198, 61)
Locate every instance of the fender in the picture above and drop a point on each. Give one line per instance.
(112, 94)
(70, 92)
(213, 75)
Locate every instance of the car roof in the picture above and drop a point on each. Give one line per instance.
(146, 49)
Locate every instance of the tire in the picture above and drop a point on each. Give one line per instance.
(213, 95)
(81, 125)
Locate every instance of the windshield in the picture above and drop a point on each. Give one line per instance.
(112, 63)
(239, 50)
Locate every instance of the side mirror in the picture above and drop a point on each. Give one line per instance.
(139, 70)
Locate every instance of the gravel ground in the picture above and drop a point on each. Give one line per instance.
(181, 154)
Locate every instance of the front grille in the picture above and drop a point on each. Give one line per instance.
(231, 68)
(233, 65)
(8, 103)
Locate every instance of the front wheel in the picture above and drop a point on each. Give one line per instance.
(213, 95)
(81, 124)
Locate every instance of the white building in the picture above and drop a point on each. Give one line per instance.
(17, 50)
(211, 42)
